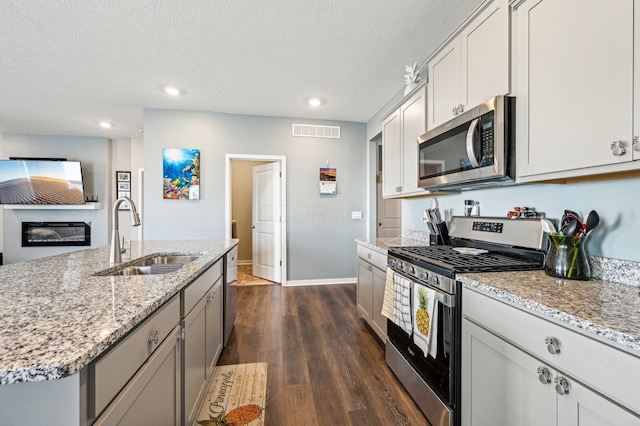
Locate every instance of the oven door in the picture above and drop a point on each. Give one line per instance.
(468, 150)
(440, 374)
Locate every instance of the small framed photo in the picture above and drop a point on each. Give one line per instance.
(124, 205)
(124, 186)
(123, 176)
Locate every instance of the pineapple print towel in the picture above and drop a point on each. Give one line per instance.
(425, 319)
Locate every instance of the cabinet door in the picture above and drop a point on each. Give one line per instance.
(636, 86)
(365, 289)
(444, 84)
(484, 48)
(195, 374)
(153, 396)
(413, 119)
(500, 384)
(575, 84)
(391, 155)
(379, 321)
(582, 406)
(214, 326)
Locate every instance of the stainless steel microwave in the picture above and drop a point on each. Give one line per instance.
(474, 150)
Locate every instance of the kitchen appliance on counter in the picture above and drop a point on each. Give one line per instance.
(478, 244)
(473, 150)
(230, 292)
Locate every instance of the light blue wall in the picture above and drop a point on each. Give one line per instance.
(94, 154)
(616, 201)
(320, 231)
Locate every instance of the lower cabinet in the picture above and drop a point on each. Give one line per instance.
(202, 346)
(370, 289)
(503, 384)
(152, 396)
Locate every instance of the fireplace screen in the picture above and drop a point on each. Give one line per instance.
(56, 234)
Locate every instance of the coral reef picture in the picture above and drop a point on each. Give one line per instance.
(181, 173)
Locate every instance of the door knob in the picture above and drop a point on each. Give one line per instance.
(253, 227)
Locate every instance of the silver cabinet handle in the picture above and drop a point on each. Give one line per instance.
(544, 375)
(636, 143)
(155, 337)
(369, 268)
(368, 255)
(553, 345)
(454, 110)
(562, 385)
(617, 148)
(470, 151)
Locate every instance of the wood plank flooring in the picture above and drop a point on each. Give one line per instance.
(325, 366)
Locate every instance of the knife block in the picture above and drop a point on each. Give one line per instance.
(436, 240)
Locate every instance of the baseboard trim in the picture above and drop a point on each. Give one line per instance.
(329, 281)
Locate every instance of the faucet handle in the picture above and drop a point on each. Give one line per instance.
(123, 249)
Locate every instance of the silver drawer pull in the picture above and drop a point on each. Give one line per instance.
(553, 345)
(562, 385)
(155, 337)
(544, 375)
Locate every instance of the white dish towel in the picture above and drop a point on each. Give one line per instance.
(425, 336)
(402, 303)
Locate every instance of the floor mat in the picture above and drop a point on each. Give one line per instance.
(233, 386)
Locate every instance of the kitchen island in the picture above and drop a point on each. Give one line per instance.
(58, 317)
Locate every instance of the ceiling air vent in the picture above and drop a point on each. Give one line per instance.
(313, 131)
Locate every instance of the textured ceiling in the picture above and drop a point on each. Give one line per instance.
(67, 64)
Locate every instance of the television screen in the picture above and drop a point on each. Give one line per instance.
(41, 182)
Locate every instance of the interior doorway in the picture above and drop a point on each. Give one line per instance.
(388, 210)
(255, 206)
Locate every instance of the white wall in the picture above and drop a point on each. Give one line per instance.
(616, 202)
(94, 154)
(320, 230)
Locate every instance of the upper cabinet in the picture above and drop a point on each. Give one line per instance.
(400, 131)
(472, 67)
(577, 113)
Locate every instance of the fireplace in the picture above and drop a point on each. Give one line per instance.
(39, 234)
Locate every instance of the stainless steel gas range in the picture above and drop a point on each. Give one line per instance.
(431, 374)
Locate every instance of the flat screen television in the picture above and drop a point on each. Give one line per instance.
(41, 182)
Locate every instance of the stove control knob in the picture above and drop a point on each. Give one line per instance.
(409, 269)
(424, 276)
(433, 280)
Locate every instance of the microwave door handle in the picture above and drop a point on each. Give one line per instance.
(470, 151)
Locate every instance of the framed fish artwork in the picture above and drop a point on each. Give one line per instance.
(181, 174)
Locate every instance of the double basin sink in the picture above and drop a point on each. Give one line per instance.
(153, 265)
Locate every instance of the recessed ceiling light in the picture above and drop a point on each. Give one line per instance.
(173, 91)
(105, 124)
(314, 102)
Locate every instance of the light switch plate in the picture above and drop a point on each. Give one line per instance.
(356, 215)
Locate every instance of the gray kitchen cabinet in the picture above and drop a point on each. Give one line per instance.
(472, 66)
(152, 396)
(521, 369)
(400, 131)
(202, 344)
(575, 115)
(370, 289)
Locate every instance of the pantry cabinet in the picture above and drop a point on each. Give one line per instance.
(472, 67)
(521, 369)
(575, 87)
(400, 131)
(370, 288)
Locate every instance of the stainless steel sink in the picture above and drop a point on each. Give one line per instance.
(154, 265)
(166, 259)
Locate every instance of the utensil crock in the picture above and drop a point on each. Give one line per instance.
(567, 257)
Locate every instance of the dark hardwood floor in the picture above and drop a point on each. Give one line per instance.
(325, 366)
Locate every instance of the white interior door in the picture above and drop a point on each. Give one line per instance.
(389, 216)
(267, 222)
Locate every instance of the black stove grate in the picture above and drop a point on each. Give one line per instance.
(447, 258)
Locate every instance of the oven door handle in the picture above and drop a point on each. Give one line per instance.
(471, 152)
(446, 299)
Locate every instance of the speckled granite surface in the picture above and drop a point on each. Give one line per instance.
(616, 270)
(604, 310)
(382, 244)
(57, 317)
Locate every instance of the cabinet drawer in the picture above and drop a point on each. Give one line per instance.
(112, 371)
(375, 258)
(194, 291)
(612, 372)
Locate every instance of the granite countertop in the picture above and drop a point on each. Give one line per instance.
(604, 310)
(382, 244)
(57, 317)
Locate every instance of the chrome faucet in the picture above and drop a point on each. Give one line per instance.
(116, 251)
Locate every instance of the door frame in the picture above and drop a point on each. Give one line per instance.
(283, 206)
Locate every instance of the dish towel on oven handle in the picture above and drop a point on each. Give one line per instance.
(402, 303)
(387, 303)
(425, 319)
